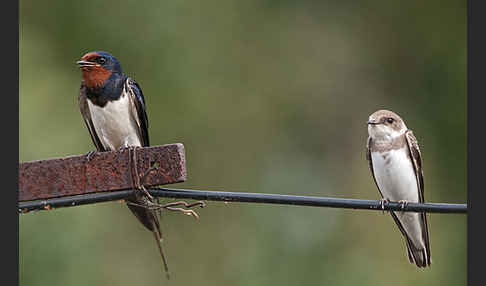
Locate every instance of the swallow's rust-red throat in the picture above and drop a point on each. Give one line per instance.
(94, 76)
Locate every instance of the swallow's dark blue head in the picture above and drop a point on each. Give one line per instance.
(97, 68)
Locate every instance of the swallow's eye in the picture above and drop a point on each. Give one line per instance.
(101, 60)
(390, 120)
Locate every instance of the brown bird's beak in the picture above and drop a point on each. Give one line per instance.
(372, 122)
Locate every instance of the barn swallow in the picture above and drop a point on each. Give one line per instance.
(395, 163)
(114, 110)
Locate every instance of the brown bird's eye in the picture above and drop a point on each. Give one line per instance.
(389, 120)
(101, 60)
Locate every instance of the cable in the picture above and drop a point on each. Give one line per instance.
(24, 207)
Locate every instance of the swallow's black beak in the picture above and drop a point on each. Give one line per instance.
(83, 64)
(372, 122)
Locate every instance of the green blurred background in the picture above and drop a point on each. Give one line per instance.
(267, 96)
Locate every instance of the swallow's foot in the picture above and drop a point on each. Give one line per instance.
(124, 148)
(89, 155)
(403, 204)
(172, 207)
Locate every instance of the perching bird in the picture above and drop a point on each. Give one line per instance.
(113, 108)
(395, 163)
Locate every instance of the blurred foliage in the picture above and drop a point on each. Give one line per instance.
(267, 96)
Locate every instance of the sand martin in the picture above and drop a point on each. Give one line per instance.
(113, 108)
(394, 160)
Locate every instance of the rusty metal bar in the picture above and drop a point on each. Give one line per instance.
(247, 198)
(104, 171)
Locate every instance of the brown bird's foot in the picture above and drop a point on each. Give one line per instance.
(403, 204)
(89, 155)
(382, 204)
(172, 207)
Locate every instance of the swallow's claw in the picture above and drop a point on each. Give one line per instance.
(89, 155)
(124, 148)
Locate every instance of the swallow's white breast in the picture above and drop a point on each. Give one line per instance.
(115, 124)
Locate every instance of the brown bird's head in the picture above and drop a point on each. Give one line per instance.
(385, 124)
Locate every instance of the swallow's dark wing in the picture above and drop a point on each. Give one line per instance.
(84, 108)
(370, 163)
(138, 109)
(417, 164)
(149, 218)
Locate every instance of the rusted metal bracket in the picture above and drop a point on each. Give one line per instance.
(104, 171)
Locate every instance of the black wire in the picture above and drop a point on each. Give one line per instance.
(243, 197)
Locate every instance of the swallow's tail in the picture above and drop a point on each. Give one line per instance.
(158, 240)
(150, 220)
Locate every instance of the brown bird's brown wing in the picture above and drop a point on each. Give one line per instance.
(417, 161)
(417, 164)
(84, 108)
(370, 163)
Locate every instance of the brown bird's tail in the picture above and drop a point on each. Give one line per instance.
(150, 220)
(417, 256)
